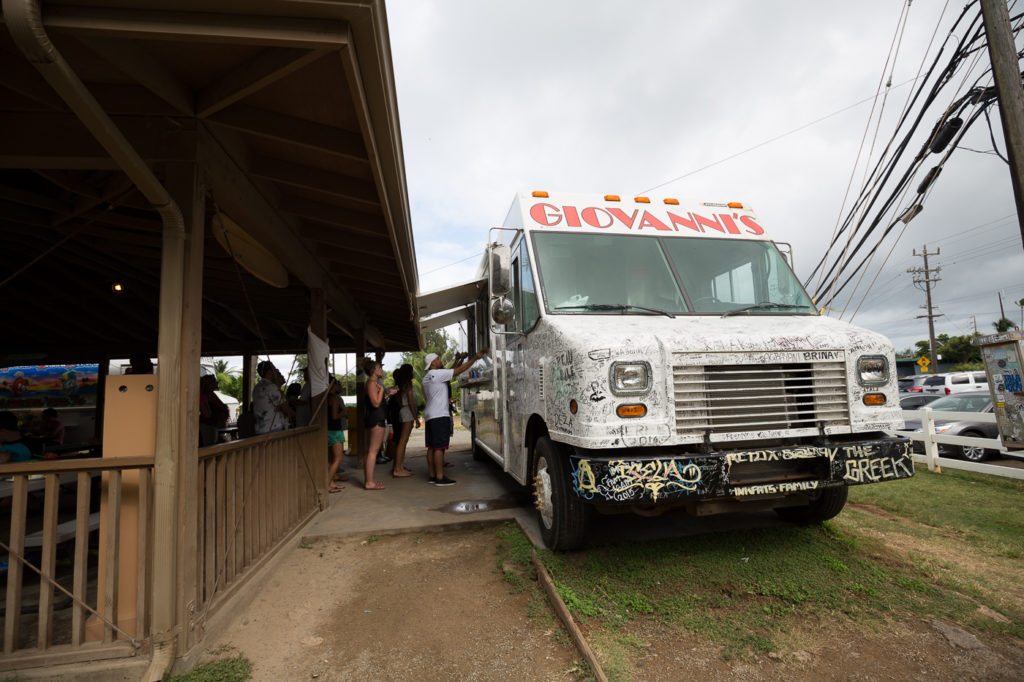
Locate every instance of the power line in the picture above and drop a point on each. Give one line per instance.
(768, 141)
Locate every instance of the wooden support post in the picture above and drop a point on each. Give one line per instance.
(361, 400)
(185, 184)
(1006, 70)
(318, 324)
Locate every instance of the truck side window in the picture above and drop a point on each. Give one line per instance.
(531, 309)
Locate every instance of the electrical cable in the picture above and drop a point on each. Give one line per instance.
(902, 21)
(979, 97)
(884, 170)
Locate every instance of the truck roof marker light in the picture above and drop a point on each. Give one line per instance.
(672, 202)
(735, 204)
(631, 411)
(641, 200)
(874, 399)
(611, 197)
(540, 195)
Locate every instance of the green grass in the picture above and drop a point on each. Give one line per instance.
(235, 669)
(981, 508)
(747, 590)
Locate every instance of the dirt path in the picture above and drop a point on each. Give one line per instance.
(415, 607)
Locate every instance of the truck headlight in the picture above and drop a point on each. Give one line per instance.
(872, 370)
(630, 378)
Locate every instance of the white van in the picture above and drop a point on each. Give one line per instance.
(648, 355)
(956, 382)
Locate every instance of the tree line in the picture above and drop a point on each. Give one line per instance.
(959, 351)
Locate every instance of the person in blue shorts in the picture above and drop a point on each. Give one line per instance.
(436, 416)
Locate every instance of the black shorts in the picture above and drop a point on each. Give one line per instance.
(438, 433)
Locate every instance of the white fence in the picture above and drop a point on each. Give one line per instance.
(931, 441)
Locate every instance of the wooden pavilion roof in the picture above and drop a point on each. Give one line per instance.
(289, 109)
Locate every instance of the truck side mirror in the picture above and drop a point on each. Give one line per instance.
(502, 310)
(500, 270)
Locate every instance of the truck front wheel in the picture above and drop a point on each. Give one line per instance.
(563, 516)
(826, 506)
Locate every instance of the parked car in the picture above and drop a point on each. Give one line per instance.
(970, 401)
(956, 382)
(912, 401)
(914, 383)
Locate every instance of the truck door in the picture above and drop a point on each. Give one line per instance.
(521, 384)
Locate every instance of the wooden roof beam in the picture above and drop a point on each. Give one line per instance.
(297, 131)
(59, 140)
(207, 27)
(140, 64)
(268, 66)
(336, 216)
(243, 201)
(307, 177)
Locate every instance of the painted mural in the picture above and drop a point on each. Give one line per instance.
(38, 386)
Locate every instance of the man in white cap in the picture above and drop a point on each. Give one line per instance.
(436, 417)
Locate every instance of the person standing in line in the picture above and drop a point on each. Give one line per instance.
(213, 413)
(268, 404)
(437, 415)
(304, 404)
(376, 419)
(407, 416)
(335, 433)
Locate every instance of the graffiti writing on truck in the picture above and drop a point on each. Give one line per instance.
(774, 488)
(632, 479)
(875, 469)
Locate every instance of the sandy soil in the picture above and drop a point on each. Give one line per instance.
(437, 607)
(413, 607)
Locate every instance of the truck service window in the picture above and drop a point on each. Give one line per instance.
(584, 273)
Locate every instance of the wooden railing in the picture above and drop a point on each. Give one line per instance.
(77, 612)
(79, 551)
(253, 494)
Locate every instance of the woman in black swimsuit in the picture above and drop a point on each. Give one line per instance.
(376, 419)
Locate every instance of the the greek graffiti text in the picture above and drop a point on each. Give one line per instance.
(874, 469)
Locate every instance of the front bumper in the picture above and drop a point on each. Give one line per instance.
(741, 474)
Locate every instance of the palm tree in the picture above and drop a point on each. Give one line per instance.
(1003, 325)
(220, 366)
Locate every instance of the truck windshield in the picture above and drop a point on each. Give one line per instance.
(625, 275)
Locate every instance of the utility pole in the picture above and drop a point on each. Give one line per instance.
(1006, 69)
(925, 276)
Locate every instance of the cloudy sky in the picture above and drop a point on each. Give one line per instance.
(764, 103)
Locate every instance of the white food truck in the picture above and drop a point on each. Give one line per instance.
(648, 354)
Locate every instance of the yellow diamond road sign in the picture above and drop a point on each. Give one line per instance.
(923, 361)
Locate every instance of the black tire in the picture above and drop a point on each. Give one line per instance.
(563, 516)
(972, 453)
(826, 506)
(478, 454)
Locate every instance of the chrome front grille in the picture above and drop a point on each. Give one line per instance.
(755, 397)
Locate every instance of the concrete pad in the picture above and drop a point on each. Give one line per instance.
(482, 495)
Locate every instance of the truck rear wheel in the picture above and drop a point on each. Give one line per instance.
(563, 516)
(826, 506)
